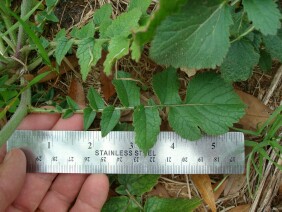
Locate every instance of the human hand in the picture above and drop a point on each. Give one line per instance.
(21, 191)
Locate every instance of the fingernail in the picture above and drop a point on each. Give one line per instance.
(8, 156)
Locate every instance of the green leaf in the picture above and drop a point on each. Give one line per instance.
(273, 44)
(88, 117)
(85, 57)
(86, 31)
(103, 14)
(67, 114)
(121, 203)
(127, 90)
(211, 105)
(146, 123)
(172, 205)
(141, 4)
(97, 51)
(124, 24)
(72, 104)
(265, 61)
(95, 100)
(110, 118)
(146, 34)
(239, 62)
(135, 51)
(196, 37)
(264, 14)
(63, 46)
(119, 47)
(167, 94)
(51, 3)
(136, 184)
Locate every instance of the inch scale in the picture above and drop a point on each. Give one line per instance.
(89, 152)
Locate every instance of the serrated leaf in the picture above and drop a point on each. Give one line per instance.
(154, 204)
(121, 203)
(119, 47)
(88, 117)
(85, 57)
(97, 51)
(124, 24)
(167, 94)
(110, 118)
(146, 122)
(136, 184)
(63, 46)
(145, 35)
(141, 4)
(211, 105)
(264, 14)
(239, 62)
(127, 90)
(87, 31)
(67, 114)
(273, 44)
(72, 104)
(265, 61)
(196, 37)
(103, 14)
(95, 100)
(135, 51)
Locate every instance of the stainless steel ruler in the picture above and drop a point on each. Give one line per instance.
(89, 152)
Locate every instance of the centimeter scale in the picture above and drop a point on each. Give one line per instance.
(89, 152)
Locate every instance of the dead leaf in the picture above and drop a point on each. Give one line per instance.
(241, 208)
(107, 86)
(234, 184)
(189, 71)
(256, 112)
(76, 92)
(203, 184)
(64, 67)
(160, 191)
(219, 191)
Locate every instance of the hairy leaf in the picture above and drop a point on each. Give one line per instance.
(146, 123)
(141, 4)
(88, 117)
(97, 51)
(211, 105)
(196, 37)
(239, 62)
(63, 46)
(264, 14)
(154, 204)
(121, 203)
(127, 90)
(167, 94)
(166, 8)
(273, 44)
(124, 24)
(110, 118)
(103, 14)
(86, 31)
(136, 184)
(85, 57)
(95, 100)
(119, 47)
(72, 104)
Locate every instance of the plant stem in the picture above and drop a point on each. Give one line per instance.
(243, 34)
(25, 8)
(18, 116)
(235, 2)
(8, 24)
(134, 200)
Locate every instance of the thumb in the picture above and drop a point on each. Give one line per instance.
(12, 177)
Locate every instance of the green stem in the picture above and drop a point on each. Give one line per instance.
(244, 34)
(134, 200)
(25, 8)
(8, 24)
(235, 2)
(17, 118)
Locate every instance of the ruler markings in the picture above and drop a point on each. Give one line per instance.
(88, 152)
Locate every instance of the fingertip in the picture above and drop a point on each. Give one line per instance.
(73, 123)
